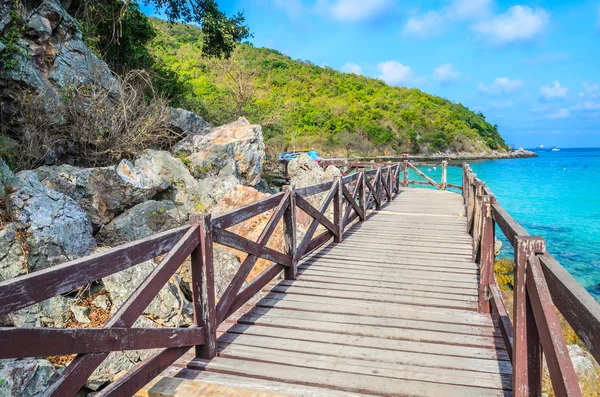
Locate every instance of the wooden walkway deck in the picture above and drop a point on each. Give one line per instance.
(391, 311)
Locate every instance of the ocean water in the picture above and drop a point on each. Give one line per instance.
(556, 196)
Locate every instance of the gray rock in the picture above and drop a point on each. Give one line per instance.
(188, 122)
(143, 220)
(81, 314)
(56, 228)
(304, 171)
(51, 56)
(166, 307)
(188, 194)
(53, 312)
(102, 302)
(25, 377)
(106, 192)
(12, 254)
(238, 145)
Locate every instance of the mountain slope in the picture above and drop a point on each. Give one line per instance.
(302, 105)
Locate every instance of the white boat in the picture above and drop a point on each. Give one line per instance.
(555, 149)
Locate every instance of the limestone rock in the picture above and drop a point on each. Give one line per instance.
(586, 368)
(238, 147)
(28, 377)
(12, 253)
(102, 302)
(56, 228)
(188, 194)
(166, 306)
(53, 312)
(143, 220)
(188, 122)
(103, 193)
(51, 55)
(81, 314)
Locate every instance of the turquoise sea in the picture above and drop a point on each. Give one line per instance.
(556, 196)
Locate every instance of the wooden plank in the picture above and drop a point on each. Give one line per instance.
(371, 367)
(36, 287)
(507, 224)
(76, 374)
(302, 247)
(314, 189)
(290, 234)
(318, 241)
(383, 298)
(308, 311)
(229, 239)
(578, 307)
(422, 174)
(345, 306)
(494, 355)
(238, 215)
(501, 315)
(321, 325)
(34, 342)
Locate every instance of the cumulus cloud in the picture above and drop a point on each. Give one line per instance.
(552, 92)
(446, 73)
(518, 24)
(351, 67)
(357, 10)
(435, 22)
(393, 72)
(590, 90)
(562, 113)
(502, 85)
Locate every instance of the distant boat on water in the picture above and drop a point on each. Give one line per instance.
(541, 147)
(555, 149)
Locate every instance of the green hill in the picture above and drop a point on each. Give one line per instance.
(301, 105)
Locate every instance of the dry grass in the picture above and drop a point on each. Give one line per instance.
(93, 126)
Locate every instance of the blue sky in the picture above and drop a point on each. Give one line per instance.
(532, 67)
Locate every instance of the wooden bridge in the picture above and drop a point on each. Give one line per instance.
(390, 291)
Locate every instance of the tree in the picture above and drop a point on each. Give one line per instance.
(238, 78)
(353, 141)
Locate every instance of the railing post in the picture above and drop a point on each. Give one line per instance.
(362, 198)
(487, 252)
(444, 175)
(405, 181)
(465, 175)
(203, 286)
(289, 234)
(388, 180)
(527, 350)
(397, 179)
(338, 215)
(378, 188)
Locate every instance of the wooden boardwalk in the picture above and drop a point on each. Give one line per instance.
(390, 311)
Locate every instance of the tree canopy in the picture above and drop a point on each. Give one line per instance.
(301, 105)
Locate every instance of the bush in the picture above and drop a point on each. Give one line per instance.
(96, 127)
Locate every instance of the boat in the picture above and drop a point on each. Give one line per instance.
(555, 149)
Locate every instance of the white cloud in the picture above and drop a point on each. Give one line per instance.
(562, 113)
(518, 24)
(351, 67)
(393, 72)
(590, 90)
(293, 8)
(357, 10)
(502, 85)
(552, 92)
(428, 25)
(446, 73)
(435, 22)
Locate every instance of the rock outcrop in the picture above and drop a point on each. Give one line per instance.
(51, 54)
(105, 192)
(26, 378)
(54, 227)
(188, 123)
(236, 149)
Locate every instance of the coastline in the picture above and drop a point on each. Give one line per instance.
(456, 157)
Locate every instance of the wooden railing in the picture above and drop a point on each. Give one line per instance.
(541, 284)
(350, 196)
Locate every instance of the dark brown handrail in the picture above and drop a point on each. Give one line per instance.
(541, 284)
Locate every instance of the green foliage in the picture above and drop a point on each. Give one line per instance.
(301, 105)
(10, 35)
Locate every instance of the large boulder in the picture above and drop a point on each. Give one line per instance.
(143, 220)
(188, 194)
(236, 147)
(54, 227)
(13, 262)
(187, 122)
(28, 377)
(103, 193)
(53, 312)
(51, 54)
